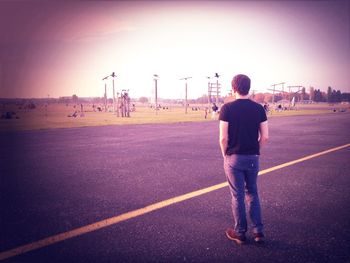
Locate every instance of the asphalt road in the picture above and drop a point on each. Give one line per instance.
(54, 181)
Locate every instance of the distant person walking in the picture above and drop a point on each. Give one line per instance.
(205, 112)
(243, 131)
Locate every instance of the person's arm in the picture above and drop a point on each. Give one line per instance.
(264, 133)
(223, 137)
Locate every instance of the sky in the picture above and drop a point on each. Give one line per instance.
(61, 48)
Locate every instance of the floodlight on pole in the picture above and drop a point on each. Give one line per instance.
(209, 91)
(217, 88)
(186, 92)
(105, 80)
(114, 76)
(156, 77)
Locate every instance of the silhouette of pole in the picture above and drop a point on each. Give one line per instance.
(105, 102)
(186, 92)
(113, 76)
(217, 88)
(156, 77)
(105, 97)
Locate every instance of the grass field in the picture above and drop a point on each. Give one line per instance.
(56, 116)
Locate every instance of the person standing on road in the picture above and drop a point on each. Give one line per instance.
(243, 131)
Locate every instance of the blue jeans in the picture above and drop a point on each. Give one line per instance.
(242, 173)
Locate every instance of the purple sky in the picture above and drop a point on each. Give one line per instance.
(64, 48)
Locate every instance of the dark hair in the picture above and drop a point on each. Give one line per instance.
(241, 84)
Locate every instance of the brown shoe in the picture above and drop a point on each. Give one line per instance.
(259, 238)
(231, 234)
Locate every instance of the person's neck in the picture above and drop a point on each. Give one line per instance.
(242, 97)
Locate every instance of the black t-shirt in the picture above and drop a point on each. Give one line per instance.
(244, 117)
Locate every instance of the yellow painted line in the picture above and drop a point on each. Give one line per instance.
(138, 212)
(302, 159)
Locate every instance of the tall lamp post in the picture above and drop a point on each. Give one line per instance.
(113, 76)
(186, 92)
(217, 88)
(156, 77)
(105, 80)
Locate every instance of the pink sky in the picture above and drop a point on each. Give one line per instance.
(60, 49)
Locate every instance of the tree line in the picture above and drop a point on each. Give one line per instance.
(315, 95)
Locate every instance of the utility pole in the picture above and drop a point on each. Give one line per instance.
(217, 88)
(113, 76)
(156, 77)
(186, 92)
(212, 91)
(105, 102)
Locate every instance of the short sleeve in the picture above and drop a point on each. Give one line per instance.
(223, 113)
(263, 116)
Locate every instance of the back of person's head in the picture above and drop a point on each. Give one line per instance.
(241, 84)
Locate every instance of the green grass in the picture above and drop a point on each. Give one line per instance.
(298, 112)
(56, 117)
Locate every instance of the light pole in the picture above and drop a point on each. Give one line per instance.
(156, 77)
(217, 88)
(186, 92)
(104, 79)
(113, 76)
